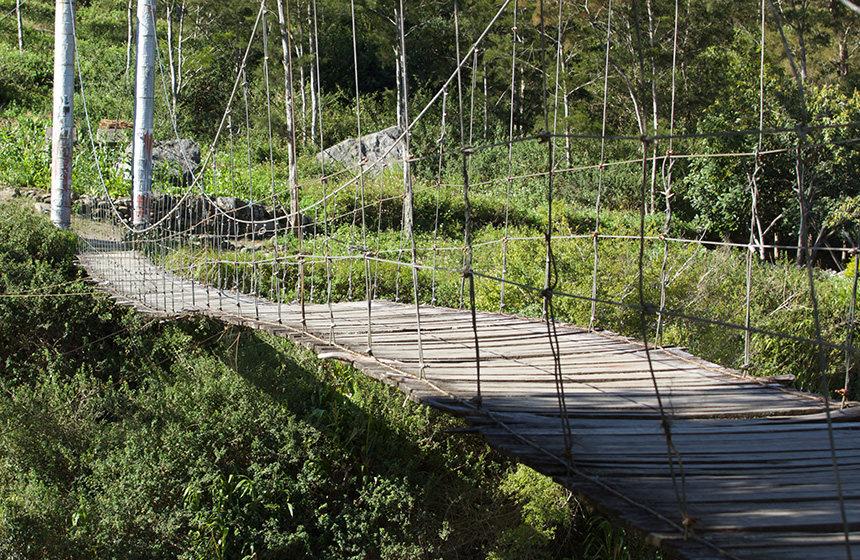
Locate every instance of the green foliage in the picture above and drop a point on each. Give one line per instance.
(25, 159)
(27, 78)
(718, 188)
(96, 171)
(546, 508)
(606, 541)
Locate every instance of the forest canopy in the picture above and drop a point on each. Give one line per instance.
(691, 69)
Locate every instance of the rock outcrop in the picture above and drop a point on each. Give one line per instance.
(376, 150)
(174, 162)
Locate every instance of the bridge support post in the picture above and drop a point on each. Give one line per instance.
(143, 113)
(62, 133)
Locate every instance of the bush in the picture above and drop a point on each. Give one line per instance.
(25, 155)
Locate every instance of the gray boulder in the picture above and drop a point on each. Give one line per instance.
(381, 148)
(174, 162)
(241, 210)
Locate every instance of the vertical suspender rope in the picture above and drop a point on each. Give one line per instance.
(185, 268)
(549, 263)
(295, 214)
(213, 245)
(745, 367)
(441, 142)
(804, 251)
(349, 245)
(234, 225)
(191, 228)
(473, 86)
(379, 202)
(315, 222)
(367, 276)
(467, 260)
(250, 185)
(849, 335)
(509, 179)
(327, 245)
(668, 164)
(275, 288)
(754, 206)
(673, 456)
(551, 272)
(467, 229)
(601, 170)
(162, 250)
(407, 183)
(407, 230)
(219, 232)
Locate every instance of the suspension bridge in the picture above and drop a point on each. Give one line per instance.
(705, 460)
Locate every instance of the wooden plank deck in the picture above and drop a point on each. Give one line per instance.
(751, 474)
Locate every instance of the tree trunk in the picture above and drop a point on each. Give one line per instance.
(652, 32)
(175, 40)
(180, 42)
(403, 112)
(130, 15)
(300, 52)
(566, 106)
(803, 200)
(291, 121)
(798, 20)
(486, 101)
(398, 84)
(62, 146)
(20, 26)
(314, 84)
(171, 60)
(801, 54)
(842, 63)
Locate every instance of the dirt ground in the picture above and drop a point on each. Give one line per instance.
(34, 194)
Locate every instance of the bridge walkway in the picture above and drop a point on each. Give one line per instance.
(734, 467)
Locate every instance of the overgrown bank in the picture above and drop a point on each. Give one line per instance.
(123, 437)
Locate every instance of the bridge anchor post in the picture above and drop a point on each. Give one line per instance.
(62, 133)
(143, 114)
